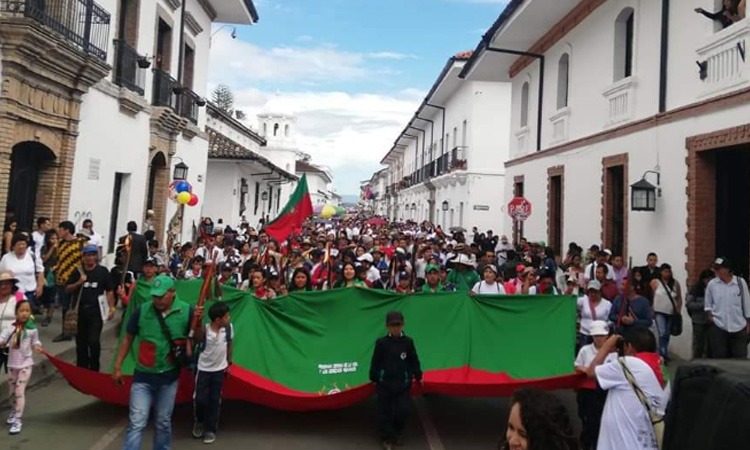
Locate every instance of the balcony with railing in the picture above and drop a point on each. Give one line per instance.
(723, 60)
(189, 104)
(82, 23)
(458, 158)
(169, 93)
(130, 68)
(164, 90)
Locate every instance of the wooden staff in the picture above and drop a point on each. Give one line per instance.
(205, 292)
(128, 244)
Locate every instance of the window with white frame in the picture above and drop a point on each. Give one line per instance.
(525, 105)
(563, 72)
(624, 37)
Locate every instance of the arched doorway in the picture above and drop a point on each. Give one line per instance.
(28, 160)
(158, 169)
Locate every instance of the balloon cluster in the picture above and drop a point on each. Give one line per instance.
(182, 192)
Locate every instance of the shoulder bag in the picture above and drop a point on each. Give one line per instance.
(657, 421)
(70, 320)
(676, 328)
(177, 350)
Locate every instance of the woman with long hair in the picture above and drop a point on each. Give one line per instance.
(349, 277)
(538, 421)
(300, 280)
(667, 305)
(49, 260)
(11, 225)
(695, 303)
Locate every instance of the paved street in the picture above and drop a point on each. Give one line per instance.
(61, 418)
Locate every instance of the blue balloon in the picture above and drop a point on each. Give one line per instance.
(182, 186)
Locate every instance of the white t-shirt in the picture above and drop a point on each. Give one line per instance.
(485, 288)
(38, 238)
(625, 423)
(213, 358)
(587, 272)
(96, 239)
(584, 307)
(8, 312)
(25, 269)
(586, 355)
(373, 274)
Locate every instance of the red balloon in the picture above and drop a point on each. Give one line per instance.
(193, 200)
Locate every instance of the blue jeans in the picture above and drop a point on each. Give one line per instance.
(663, 325)
(141, 396)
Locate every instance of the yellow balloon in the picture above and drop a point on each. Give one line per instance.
(183, 198)
(328, 211)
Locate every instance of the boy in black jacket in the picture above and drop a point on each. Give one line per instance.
(395, 364)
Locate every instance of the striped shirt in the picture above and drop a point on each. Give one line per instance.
(68, 258)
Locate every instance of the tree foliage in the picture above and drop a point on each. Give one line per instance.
(223, 98)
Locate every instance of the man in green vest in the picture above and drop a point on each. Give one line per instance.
(156, 375)
(432, 283)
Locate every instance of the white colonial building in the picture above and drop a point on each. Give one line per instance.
(98, 111)
(240, 181)
(447, 164)
(319, 182)
(607, 94)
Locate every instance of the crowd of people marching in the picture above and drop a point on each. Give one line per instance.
(60, 268)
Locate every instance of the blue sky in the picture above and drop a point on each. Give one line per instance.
(352, 70)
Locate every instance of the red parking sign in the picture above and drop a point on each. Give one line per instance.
(519, 209)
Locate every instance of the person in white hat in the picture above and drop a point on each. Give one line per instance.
(463, 276)
(591, 307)
(372, 274)
(590, 399)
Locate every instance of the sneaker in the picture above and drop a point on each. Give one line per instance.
(16, 427)
(11, 418)
(387, 445)
(197, 430)
(209, 438)
(62, 338)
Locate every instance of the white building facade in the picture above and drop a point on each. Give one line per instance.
(107, 129)
(447, 165)
(623, 100)
(319, 182)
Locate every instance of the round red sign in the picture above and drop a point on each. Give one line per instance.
(519, 209)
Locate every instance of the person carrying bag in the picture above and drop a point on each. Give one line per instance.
(657, 421)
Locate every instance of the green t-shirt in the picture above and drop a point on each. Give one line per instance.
(464, 280)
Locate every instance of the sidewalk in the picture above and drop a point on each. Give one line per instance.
(66, 350)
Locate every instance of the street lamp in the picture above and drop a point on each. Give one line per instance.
(643, 194)
(445, 205)
(181, 171)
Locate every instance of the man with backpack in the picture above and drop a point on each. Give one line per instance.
(214, 358)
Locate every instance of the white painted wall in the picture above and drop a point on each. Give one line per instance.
(101, 121)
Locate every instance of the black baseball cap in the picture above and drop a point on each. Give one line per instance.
(722, 262)
(150, 260)
(227, 266)
(394, 318)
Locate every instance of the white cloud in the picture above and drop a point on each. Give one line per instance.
(349, 133)
(235, 62)
(390, 55)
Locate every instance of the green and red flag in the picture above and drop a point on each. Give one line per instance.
(312, 350)
(297, 210)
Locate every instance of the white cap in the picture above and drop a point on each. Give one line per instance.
(599, 328)
(366, 257)
(595, 285)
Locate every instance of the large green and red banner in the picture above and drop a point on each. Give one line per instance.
(312, 350)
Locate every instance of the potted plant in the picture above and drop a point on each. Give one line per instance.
(144, 62)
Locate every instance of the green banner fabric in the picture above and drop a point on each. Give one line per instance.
(293, 352)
